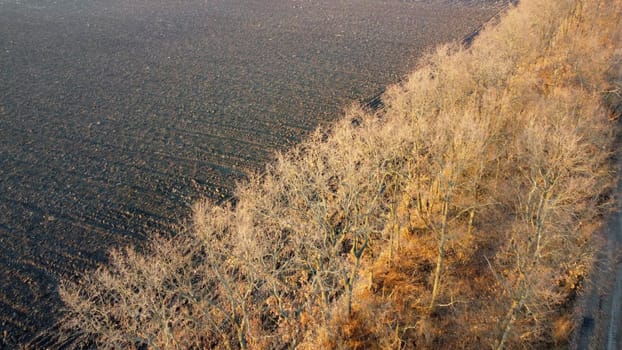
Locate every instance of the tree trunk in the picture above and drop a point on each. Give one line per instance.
(439, 258)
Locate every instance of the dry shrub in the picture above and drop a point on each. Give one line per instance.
(459, 216)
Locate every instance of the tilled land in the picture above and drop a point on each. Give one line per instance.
(115, 115)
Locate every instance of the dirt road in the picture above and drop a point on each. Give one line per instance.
(602, 304)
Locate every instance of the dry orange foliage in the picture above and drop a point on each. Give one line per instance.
(459, 216)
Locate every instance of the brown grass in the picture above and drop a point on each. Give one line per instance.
(459, 216)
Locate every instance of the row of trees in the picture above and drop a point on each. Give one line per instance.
(459, 216)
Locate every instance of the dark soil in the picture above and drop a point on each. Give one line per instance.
(115, 115)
